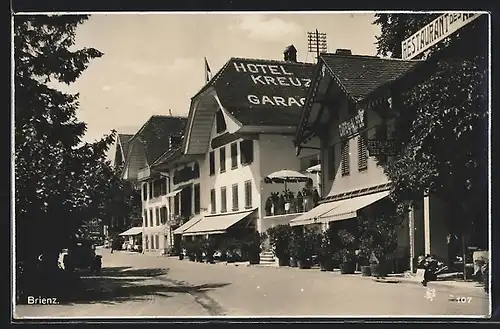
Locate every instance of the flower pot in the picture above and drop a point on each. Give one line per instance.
(327, 265)
(293, 262)
(305, 264)
(348, 268)
(378, 270)
(283, 261)
(181, 256)
(192, 258)
(210, 259)
(366, 271)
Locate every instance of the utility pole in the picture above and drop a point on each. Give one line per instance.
(316, 42)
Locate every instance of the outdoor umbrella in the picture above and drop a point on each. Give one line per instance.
(316, 169)
(286, 176)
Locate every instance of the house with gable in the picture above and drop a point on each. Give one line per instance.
(350, 111)
(241, 125)
(155, 138)
(121, 149)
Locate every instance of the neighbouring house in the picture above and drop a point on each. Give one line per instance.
(155, 138)
(121, 149)
(350, 111)
(240, 128)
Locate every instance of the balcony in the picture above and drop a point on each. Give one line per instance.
(143, 174)
(287, 202)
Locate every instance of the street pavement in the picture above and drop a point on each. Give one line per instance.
(135, 285)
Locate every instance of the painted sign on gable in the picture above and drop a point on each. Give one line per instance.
(265, 84)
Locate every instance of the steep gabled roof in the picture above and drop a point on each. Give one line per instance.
(262, 92)
(361, 75)
(156, 132)
(123, 140)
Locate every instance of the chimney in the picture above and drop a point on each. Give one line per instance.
(290, 54)
(344, 52)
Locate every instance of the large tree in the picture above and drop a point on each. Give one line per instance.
(441, 123)
(56, 172)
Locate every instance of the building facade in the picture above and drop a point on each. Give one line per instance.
(242, 124)
(349, 129)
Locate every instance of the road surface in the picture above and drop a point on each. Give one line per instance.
(135, 285)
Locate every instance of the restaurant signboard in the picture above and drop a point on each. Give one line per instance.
(434, 32)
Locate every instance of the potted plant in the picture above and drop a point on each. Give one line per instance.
(347, 253)
(180, 249)
(279, 238)
(231, 250)
(378, 237)
(305, 245)
(209, 246)
(252, 247)
(190, 250)
(198, 250)
(328, 247)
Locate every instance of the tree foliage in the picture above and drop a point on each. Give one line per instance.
(56, 173)
(442, 122)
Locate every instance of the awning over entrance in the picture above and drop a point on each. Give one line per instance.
(348, 208)
(176, 191)
(132, 231)
(217, 224)
(337, 210)
(312, 215)
(188, 224)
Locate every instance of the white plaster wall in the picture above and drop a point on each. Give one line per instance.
(373, 176)
(232, 176)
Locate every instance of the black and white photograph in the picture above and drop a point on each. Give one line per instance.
(232, 165)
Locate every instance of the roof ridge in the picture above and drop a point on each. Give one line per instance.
(271, 61)
(373, 57)
(168, 116)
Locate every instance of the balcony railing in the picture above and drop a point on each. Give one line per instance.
(287, 202)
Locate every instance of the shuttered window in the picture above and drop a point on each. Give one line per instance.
(248, 194)
(234, 155)
(235, 197)
(246, 148)
(362, 152)
(345, 158)
(197, 204)
(223, 199)
(212, 201)
(212, 163)
(222, 159)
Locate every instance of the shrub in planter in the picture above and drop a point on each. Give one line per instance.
(181, 246)
(279, 238)
(329, 246)
(378, 235)
(232, 246)
(305, 244)
(209, 246)
(347, 253)
(190, 250)
(251, 247)
(198, 250)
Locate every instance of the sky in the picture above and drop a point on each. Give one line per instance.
(154, 63)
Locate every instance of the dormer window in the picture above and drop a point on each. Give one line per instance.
(220, 123)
